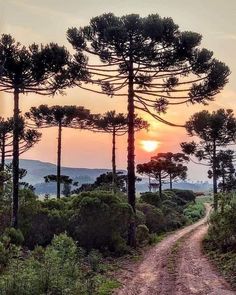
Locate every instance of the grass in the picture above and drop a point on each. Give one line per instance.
(225, 262)
(107, 287)
(173, 256)
(204, 199)
(195, 211)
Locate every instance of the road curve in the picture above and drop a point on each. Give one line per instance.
(153, 275)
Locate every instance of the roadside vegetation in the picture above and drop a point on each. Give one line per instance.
(65, 244)
(61, 246)
(220, 243)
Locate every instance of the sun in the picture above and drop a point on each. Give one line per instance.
(149, 145)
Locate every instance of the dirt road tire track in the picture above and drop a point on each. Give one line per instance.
(151, 276)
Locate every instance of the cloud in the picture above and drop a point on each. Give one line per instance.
(225, 36)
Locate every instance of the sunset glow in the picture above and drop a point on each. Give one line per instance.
(149, 145)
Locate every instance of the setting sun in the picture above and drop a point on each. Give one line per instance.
(149, 145)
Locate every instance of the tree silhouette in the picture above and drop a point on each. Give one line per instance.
(117, 125)
(60, 117)
(152, 63)
(173, 165)
(27, 138)
(65, 180)
(215, 130)
(225, 170)
(165, 166)
(43, 70)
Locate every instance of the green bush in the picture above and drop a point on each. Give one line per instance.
(151, 198)
(99, 219)
(142, 234)
(15, 236)
(220, 242)
(154, 217)
(140, 217)
(186, 195)
(39, 221)
(59, 270)
(194, 211)
(222, 230)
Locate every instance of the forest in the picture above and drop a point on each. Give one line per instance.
(104, 237)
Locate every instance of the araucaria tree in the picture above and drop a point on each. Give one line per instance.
(225, 170)
(27, 138)
(152, 63)
(35, 69)
(61, 117)
(65, 180)
(165, 167)
(174, 165)
(115, 124)
(215, 130)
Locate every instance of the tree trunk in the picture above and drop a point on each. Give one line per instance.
(131, 156)
(214, 177)
(15, 161)
(2, 162)
(223, 181)
(149, 183)
(114, 160)
(171, 186)
(160, 186)
(59, 162)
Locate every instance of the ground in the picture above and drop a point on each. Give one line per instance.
(175, 266)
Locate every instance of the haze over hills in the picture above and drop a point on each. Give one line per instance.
(36, 170)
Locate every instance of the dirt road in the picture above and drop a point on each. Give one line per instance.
(176, 266)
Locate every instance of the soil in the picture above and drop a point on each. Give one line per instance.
(175, 266)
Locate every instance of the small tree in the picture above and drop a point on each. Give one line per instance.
(164, 166)
(65, 180)
(152, 63)
(215, 130)
(37, 69)
(225, 170)
(174, 165)
(117, 125)
(60, 117)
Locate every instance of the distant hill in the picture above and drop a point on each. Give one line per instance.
(36, 170)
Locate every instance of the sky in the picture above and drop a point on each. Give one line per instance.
(44, 21)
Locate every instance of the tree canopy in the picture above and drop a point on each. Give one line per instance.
(215, 130)
(165, 166)
(61, 117)
(152, 63)
(37, 69)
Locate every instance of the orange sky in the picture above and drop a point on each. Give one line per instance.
(44, 21)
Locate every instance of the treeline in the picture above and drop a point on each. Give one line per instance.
(148, 60)
(154, 65)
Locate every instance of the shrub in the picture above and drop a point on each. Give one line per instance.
(140, 217)
(194, 211)
(58, 271)
(186, 195)
(15, 236)
(154, 217)
(99, 217)
(40, 227)
(39, 221)
(142, 234)
(220, 242)
(151, 198)
(222, 230)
